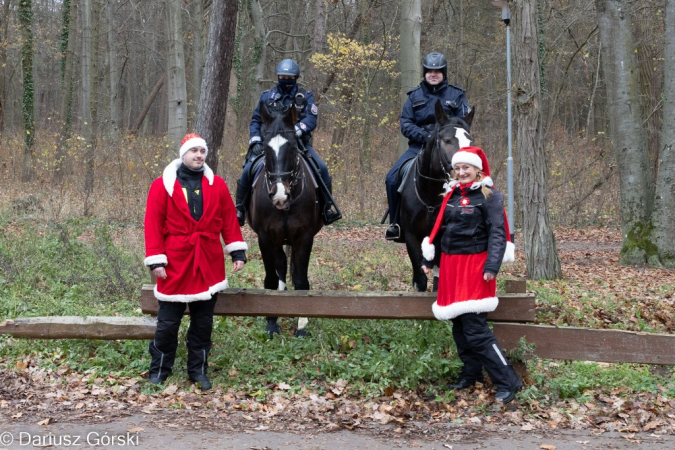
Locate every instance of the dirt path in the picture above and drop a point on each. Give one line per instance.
(143, 431)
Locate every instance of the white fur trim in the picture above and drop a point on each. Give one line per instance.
(187, 298)
(171, 173)
(487, 181)
(155, 259)
(428, 249)
(453, 310)
(234, 246)
(192, 143)
(468, 158)
(510, 253)
(449, 185)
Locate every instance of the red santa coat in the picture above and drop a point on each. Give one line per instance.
(191, 250)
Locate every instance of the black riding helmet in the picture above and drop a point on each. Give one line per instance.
(435, 61)
(288, 67)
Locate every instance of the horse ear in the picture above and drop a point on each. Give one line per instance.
(265, 113)
(469, 117)
(441, 117)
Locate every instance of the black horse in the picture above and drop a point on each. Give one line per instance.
(422, 193)
(284, 207)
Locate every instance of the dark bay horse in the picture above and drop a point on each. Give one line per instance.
(284, 209)
(423, 191)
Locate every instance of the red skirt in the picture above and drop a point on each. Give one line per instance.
(461, 287)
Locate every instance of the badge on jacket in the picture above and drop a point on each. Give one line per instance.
(314, 110)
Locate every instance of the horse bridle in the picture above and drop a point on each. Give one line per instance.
(437, 145)
(271, 178)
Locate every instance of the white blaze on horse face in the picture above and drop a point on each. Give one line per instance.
(462, 137)
(276, 143)
(280, 198)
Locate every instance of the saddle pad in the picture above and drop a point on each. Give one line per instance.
(404, 173)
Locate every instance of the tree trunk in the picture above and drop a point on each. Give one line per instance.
(26, 22)
(4, 35)
(90, 34)
(411, 28)
(317, 39)
(69, 20)
(626, 130)
(177, 93)
(260, 53)
(146, 106)
(216, 80)
(540, 250)
(197, 8)
(663, 217)
(114, 73)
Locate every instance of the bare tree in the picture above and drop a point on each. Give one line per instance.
(4, 29)
(113, 71)
(411, 27)
(69, 21)
(663, 218)
(177, 125)
(626, 129)
(216, 80)
(540, 250)
(26, 21)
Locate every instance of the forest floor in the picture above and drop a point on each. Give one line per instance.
(42, 403)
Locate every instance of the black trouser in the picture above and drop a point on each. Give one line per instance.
(163, 347)
(477, 347)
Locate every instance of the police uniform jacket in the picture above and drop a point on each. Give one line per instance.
(419, 110)
(307, 110)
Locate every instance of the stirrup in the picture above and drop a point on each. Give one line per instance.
(329, 216)
(393, 232)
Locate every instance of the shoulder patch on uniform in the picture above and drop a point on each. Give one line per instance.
(314, 110)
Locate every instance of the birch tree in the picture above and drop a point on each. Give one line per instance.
(541, 257)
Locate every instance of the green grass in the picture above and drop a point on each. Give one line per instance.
(82, 267)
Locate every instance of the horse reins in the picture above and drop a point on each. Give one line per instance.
(437, 144)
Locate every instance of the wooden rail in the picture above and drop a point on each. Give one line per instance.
(344, 305)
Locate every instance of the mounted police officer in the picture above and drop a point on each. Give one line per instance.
(285, 93)
(417, 122)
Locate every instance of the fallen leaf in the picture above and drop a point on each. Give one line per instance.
(547, 447)
(135, 430)
(283, 386)
(17, 415)
(47, 421)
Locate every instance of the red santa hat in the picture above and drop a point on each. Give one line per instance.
(476, 157)
(192, 140)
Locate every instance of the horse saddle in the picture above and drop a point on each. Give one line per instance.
(403, 174)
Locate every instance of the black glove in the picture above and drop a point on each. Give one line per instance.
(255, 149)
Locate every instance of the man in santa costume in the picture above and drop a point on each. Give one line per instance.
(474, 241)
(189, 209)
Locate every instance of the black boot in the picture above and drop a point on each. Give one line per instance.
(464, 383)
(197, 366)
(160, 364)
(241, 202)
(393, 233)
(329, 213)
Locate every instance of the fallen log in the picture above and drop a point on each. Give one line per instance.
(76, 327)
(588, 344)
(343, 305)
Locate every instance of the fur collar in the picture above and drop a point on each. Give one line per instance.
(171, 173)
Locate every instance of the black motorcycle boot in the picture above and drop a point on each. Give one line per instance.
(329, 214)
(197, 366)
(160, 364)
(241, 202)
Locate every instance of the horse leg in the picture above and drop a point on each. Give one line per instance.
(300, 255)
(414, 247)
(281, 268)
(269, 256)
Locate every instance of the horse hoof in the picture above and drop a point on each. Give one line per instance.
(302, 333)
(272, 329)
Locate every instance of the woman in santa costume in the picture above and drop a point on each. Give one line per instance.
(474, 241)
(189, 209)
